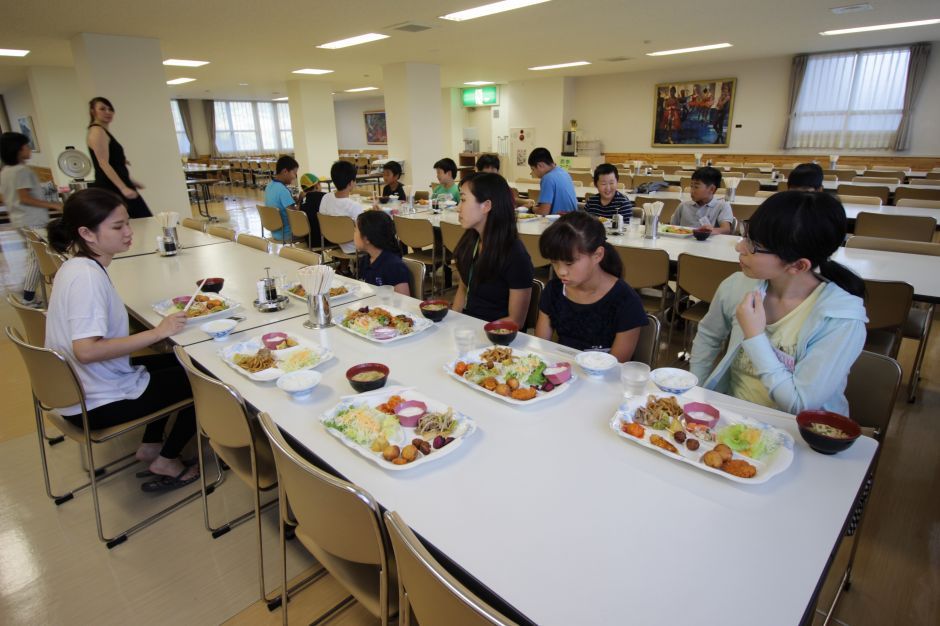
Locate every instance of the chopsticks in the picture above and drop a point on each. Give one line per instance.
(196, 293)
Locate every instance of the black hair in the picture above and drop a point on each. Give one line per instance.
(805, 177)
(499, 233)
(579, 233)
(708, 175)
(540, 155)
(93, 102)
(10, 146)
(447, 164)
(342, 173)
(487, 160)
(805, 225)
(286, 162)
(605, 168)
(88, 208)
(379, 229)
(394, 167)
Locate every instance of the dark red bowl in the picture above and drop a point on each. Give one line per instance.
(212, 285)
(435, 315)
(701, 233)
(823, 443)
(367, 385)
(501, 332)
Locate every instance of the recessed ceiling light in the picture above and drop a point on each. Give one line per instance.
(284, 99)
(558, 65)
(360, 89)
(185, 63)
(489, 9)
(9, 52)
(851, 8)
(309, 70)
(714, 46)
(477, 83)
(242, 84)
(353, 41)
(179, 81)
(866, 29)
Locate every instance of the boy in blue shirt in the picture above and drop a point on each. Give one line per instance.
(556, 191)
(277, 194)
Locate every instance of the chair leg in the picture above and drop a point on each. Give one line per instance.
(919, 357)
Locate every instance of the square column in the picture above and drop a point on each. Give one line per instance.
(313, 126)
(414, 119)
(60, 112)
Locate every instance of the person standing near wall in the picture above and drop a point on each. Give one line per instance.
(108, 157)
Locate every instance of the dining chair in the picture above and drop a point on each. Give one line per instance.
(890, 173)
(887, 180)
(646, 269)
(742, 214)
(541, 265)
(253, 241)
(535, 297)
(339, 523)
(422, 195)
(338, 229)
(221, 231)
(55, 386)
(418, 234)
(914, 202)
(913, 193)
(748, 187)
(416, 273)
(669, 206)
(697, 277)
(189, 222)
(299, 225)
(451, 235)
(867, 200)
(304, 257)
(933, 182)
(764, 194)
(224, 421)
(647, 346)
(909, 227)
(271, 221)
(876, 191)
(429, 593)
(48, 266)
(888, 305)
(871, 390)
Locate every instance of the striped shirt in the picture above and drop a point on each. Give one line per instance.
(618, 204)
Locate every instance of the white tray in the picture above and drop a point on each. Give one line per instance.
(356, 290)
(663, 233)
(474, 357)
(465, 428)
(227, 354)
(421, 323)
(768, 467)
(166, 307)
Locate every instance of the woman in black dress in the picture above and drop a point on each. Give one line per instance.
(108, 157)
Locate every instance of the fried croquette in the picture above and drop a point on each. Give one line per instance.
(739, 468)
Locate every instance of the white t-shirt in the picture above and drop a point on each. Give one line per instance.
(12, 179)
(85, 304)
(331, 205)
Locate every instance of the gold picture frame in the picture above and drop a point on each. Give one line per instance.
(689, 113)
(376, 130)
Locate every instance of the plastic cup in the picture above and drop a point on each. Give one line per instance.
(634, 376)
(464, 339)
(385, 293)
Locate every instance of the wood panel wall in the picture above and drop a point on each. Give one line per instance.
(919, 164)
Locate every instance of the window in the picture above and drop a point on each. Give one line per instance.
(181, 137)
(247, 127)
(850, 100)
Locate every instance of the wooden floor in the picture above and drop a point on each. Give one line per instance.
(53, 570)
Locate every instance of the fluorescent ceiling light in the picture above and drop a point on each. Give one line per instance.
(360, 89)
(309, 70)
(284, 99)
(8, 52)
(477, 83)
(865, 29)
(179, 81)
(489, 9)
(713, 46)
(353, 41)
(185, 63)
(555, 67)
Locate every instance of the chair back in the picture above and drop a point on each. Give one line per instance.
(47, 265)
(433, 594)
(700, 276)
(872, 389)
(253, 241)
(532, 315)
(866, 190)
(415, 233)
(669, 206)
(54, 382)
(33, 320)
(195, 224)
(887, 180)
(531, 243)
(902, 193)
(644, 267)
(270, 218)
(640, 179)
(743, 212)
(763, 194)
(849, 199)
(585, 178)
(932, 182)
(299, 223)
(220, 410)
(528, 181)
(887, 303)
(915, 202)
(416, 272)
(877, 173)
(222, 231)
(647, 346)
(336, 228)
(423, 194)
(894, 245)
(748, 187)
(304, 257)
(910, 227)
(337, 516)
(451, 234)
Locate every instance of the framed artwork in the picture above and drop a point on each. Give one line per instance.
(376, 133)
(25, 125)
(693, 113)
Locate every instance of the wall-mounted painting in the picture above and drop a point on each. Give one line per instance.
(25, 125)
(376, 133)
(694, 113)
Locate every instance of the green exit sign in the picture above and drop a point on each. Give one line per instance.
(481, 96)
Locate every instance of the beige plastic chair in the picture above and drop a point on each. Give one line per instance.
(669, 206)
(271, 221)
(891, 173)
(541, 265)
(909, 227)
(55, 385)
(881, 193)
(427, 591)
(338, 229)
(224, 421)
(923, 204)
(418, 234)
(189, 222)
(585, 178)
(748, 187)
(877, 179)
(416, 273)
(304, 257)
(847, 199)
(888, 305)
(905, 193)
(48, 265)
(222, 231)
(647, 346)
(742, 214)
(299, 226)
(253, 241)
(33, 320)
(697, 277)
(532, 315)
(450, 235)
(339, 523)
(933, 182)
(646, 268)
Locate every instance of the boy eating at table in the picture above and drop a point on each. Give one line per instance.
(343, 175)
(278, 195)
(391, 172)
(446, 171)
(704, 210)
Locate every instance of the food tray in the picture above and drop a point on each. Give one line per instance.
(421, 323)
(465, 428)
(356, 290)
(227, 354)
(774, 463)
(665, 233)
(474, 357)
(166, 307)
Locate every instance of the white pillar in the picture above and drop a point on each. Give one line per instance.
(414, 119)
(129, 72)
(313, 126)
(452, 114)
(60, 112)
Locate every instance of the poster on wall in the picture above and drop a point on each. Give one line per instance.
(376, 132)
(25, 125)
(694, 113)
(521, 143)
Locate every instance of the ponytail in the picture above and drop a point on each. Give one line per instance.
(842, 276)
(58, 236)
(612, 263)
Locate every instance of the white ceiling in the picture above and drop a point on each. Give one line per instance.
(260, 43)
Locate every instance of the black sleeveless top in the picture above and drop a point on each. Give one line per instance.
(118, 162)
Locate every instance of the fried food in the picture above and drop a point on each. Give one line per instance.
(337, 291)
(691, 444)
(659, 442)
(391, 405)
(399, 461)
(502, 389)
(489, 383)
(739, 468)
(498, 354)
(379, 444)
(523, 393)
(724, 451)
(713, 459)
(391, 452)
(634, 429)
(201, 298)
(513, 383)
(460, 368)
(409, 453)
(257, 362)
(658, 413)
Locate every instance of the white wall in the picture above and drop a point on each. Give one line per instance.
(61, 113)
(351, 126)
(925, 134)
(19, 103)
(200, 138)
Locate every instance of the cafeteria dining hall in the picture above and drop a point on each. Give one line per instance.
(470, 312)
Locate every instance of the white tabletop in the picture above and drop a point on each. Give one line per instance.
(147, 229)
(566, 521)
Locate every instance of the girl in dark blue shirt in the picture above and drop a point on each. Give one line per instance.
(375, 236)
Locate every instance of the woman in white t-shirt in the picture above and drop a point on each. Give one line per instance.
(87, 323)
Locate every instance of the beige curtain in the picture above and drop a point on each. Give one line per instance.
(187, 125)
(797, 72)
(208, 107)
(916, 68)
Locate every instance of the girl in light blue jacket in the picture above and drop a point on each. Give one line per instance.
(794, 319)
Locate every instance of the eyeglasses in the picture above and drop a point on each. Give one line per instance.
(750, 247)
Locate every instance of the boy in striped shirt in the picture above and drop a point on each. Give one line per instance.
(608, 202)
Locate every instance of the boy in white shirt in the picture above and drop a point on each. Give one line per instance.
(343, 175)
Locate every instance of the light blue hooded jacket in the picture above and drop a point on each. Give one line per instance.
(827, 345)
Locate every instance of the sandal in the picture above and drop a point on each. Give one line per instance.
(168, 483)
(146, 473)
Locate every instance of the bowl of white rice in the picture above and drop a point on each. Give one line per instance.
(596, 363)
(300, 383)
(673, 380)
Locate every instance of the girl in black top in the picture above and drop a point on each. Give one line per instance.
(107, 155)
(587, 304)
(495, 269)
(374, 234)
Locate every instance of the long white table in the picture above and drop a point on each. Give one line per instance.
(565, 521)
(146, 230)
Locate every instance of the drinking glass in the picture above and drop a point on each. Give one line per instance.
(464, 339)
(385, 293)
(634, 376)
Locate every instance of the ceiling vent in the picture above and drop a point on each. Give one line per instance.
(616, 59)
(852, 8)
(410, 27)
